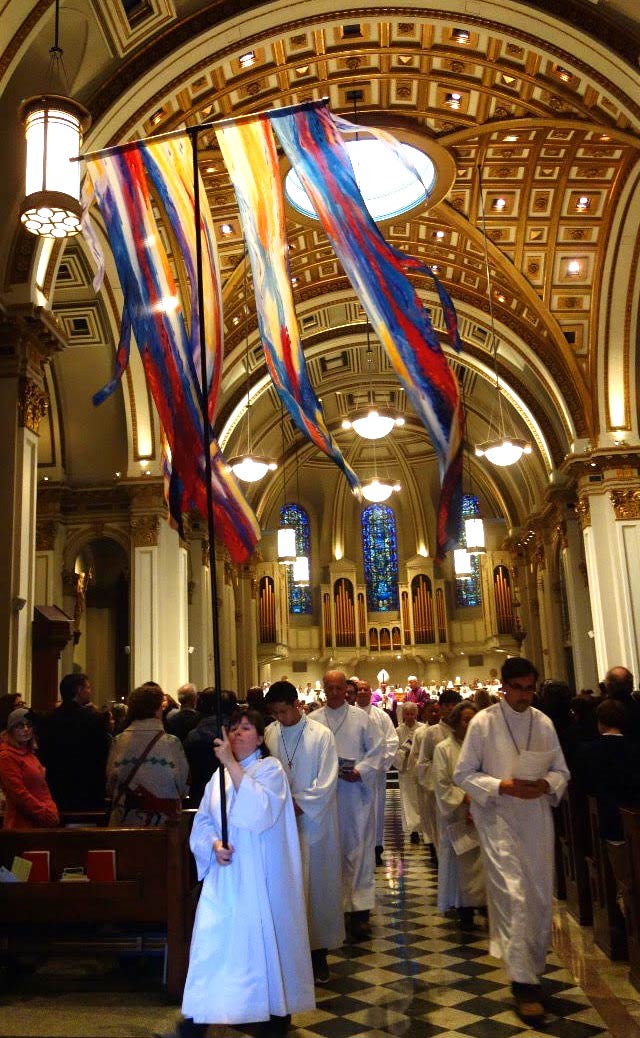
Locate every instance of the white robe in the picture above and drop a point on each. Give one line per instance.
(250, 953)
(313, 778)
(408, 777)
(389, 749)
(421, 758)
(461, 882)
(359, 740)
(516, 835)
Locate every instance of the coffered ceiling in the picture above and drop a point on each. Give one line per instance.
(543, 114)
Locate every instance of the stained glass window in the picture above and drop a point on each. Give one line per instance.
(380, 550)
(468, 588)
(295, 516)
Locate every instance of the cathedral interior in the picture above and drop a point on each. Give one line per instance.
(530, 113)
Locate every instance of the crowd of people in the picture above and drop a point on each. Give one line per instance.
(290, 798)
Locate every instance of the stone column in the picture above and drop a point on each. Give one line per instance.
(551, 632)
(27, 340)
(579, 607)
(200, 631)
(610, 516)
(247, 629)
(159, 649)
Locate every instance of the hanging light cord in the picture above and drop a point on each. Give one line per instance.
(56, 61)
(494, 341)
(246, 353)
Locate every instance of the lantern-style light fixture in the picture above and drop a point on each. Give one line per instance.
(474, 535)
(53, 125)
(462, 562)
(300, 571)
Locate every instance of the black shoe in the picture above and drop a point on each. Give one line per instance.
(274, 1027)
(465, 919)
(415, 837)
(379, 858)
(321, 973)
(359, 926)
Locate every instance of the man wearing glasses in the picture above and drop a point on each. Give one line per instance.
(512, 767)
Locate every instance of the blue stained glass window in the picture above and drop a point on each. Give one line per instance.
(468, 588)
(380, 550)
(295, 516)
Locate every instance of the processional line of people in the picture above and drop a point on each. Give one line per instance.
(478, 779)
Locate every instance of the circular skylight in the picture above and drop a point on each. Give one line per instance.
(387, 185)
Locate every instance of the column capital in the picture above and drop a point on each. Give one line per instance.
(626, 503)
(145, 530)
(32, 404)
(583, 512)
(46, 532)
(29, 337)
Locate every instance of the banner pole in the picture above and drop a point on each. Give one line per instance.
(206, 445)
(117, 149)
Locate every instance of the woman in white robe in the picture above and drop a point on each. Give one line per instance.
(461, 882)
(250, 958)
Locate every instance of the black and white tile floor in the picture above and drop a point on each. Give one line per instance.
(420, 977)
(417, 976)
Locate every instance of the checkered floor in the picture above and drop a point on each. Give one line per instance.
(418, 976)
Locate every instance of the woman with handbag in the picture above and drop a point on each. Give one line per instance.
(147, 771)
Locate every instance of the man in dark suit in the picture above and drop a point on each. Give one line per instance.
(74, 746)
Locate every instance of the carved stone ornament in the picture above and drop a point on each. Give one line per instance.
(145, 530)
(626, 503)
(32, 405)
(583, 512)
(46, 530)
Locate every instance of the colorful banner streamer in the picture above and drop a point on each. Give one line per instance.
(169, 340)
(249, 151)
(313, 144)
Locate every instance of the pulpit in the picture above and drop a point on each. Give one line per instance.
(52, 631)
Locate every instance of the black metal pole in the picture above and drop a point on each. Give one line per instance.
(206, 445)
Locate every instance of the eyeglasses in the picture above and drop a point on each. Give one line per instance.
(22, 724)
(520, 688)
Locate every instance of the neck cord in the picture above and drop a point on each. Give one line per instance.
(339, 726)
(518, 750)
(286, 751)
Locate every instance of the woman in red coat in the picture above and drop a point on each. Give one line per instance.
(28, 802)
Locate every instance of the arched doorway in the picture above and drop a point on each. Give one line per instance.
(102, 618)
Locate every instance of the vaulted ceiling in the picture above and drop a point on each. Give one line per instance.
(543, 113)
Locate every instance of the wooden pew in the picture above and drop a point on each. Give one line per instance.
(155, 885)
(631, 822)
(609, 931)
(575, 845)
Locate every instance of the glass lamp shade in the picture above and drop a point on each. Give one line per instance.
(286, 545)
(474, 536)
(373, 425)
(462, 562)
(53, 131)
(301, 571)
(376, 490)
(250, 469)
(503, 452)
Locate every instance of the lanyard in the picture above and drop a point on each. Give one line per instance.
(518, 750)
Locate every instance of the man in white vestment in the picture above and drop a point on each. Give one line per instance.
(461, 882)
(381, 718)
(407, 775)
(421, 758)
(360, 752)
(307, 752)
(512, 767)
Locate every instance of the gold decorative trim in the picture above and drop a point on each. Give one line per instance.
(626, 503)
(32, 405)
(46, 531)
(583, 513)
(145, 530)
